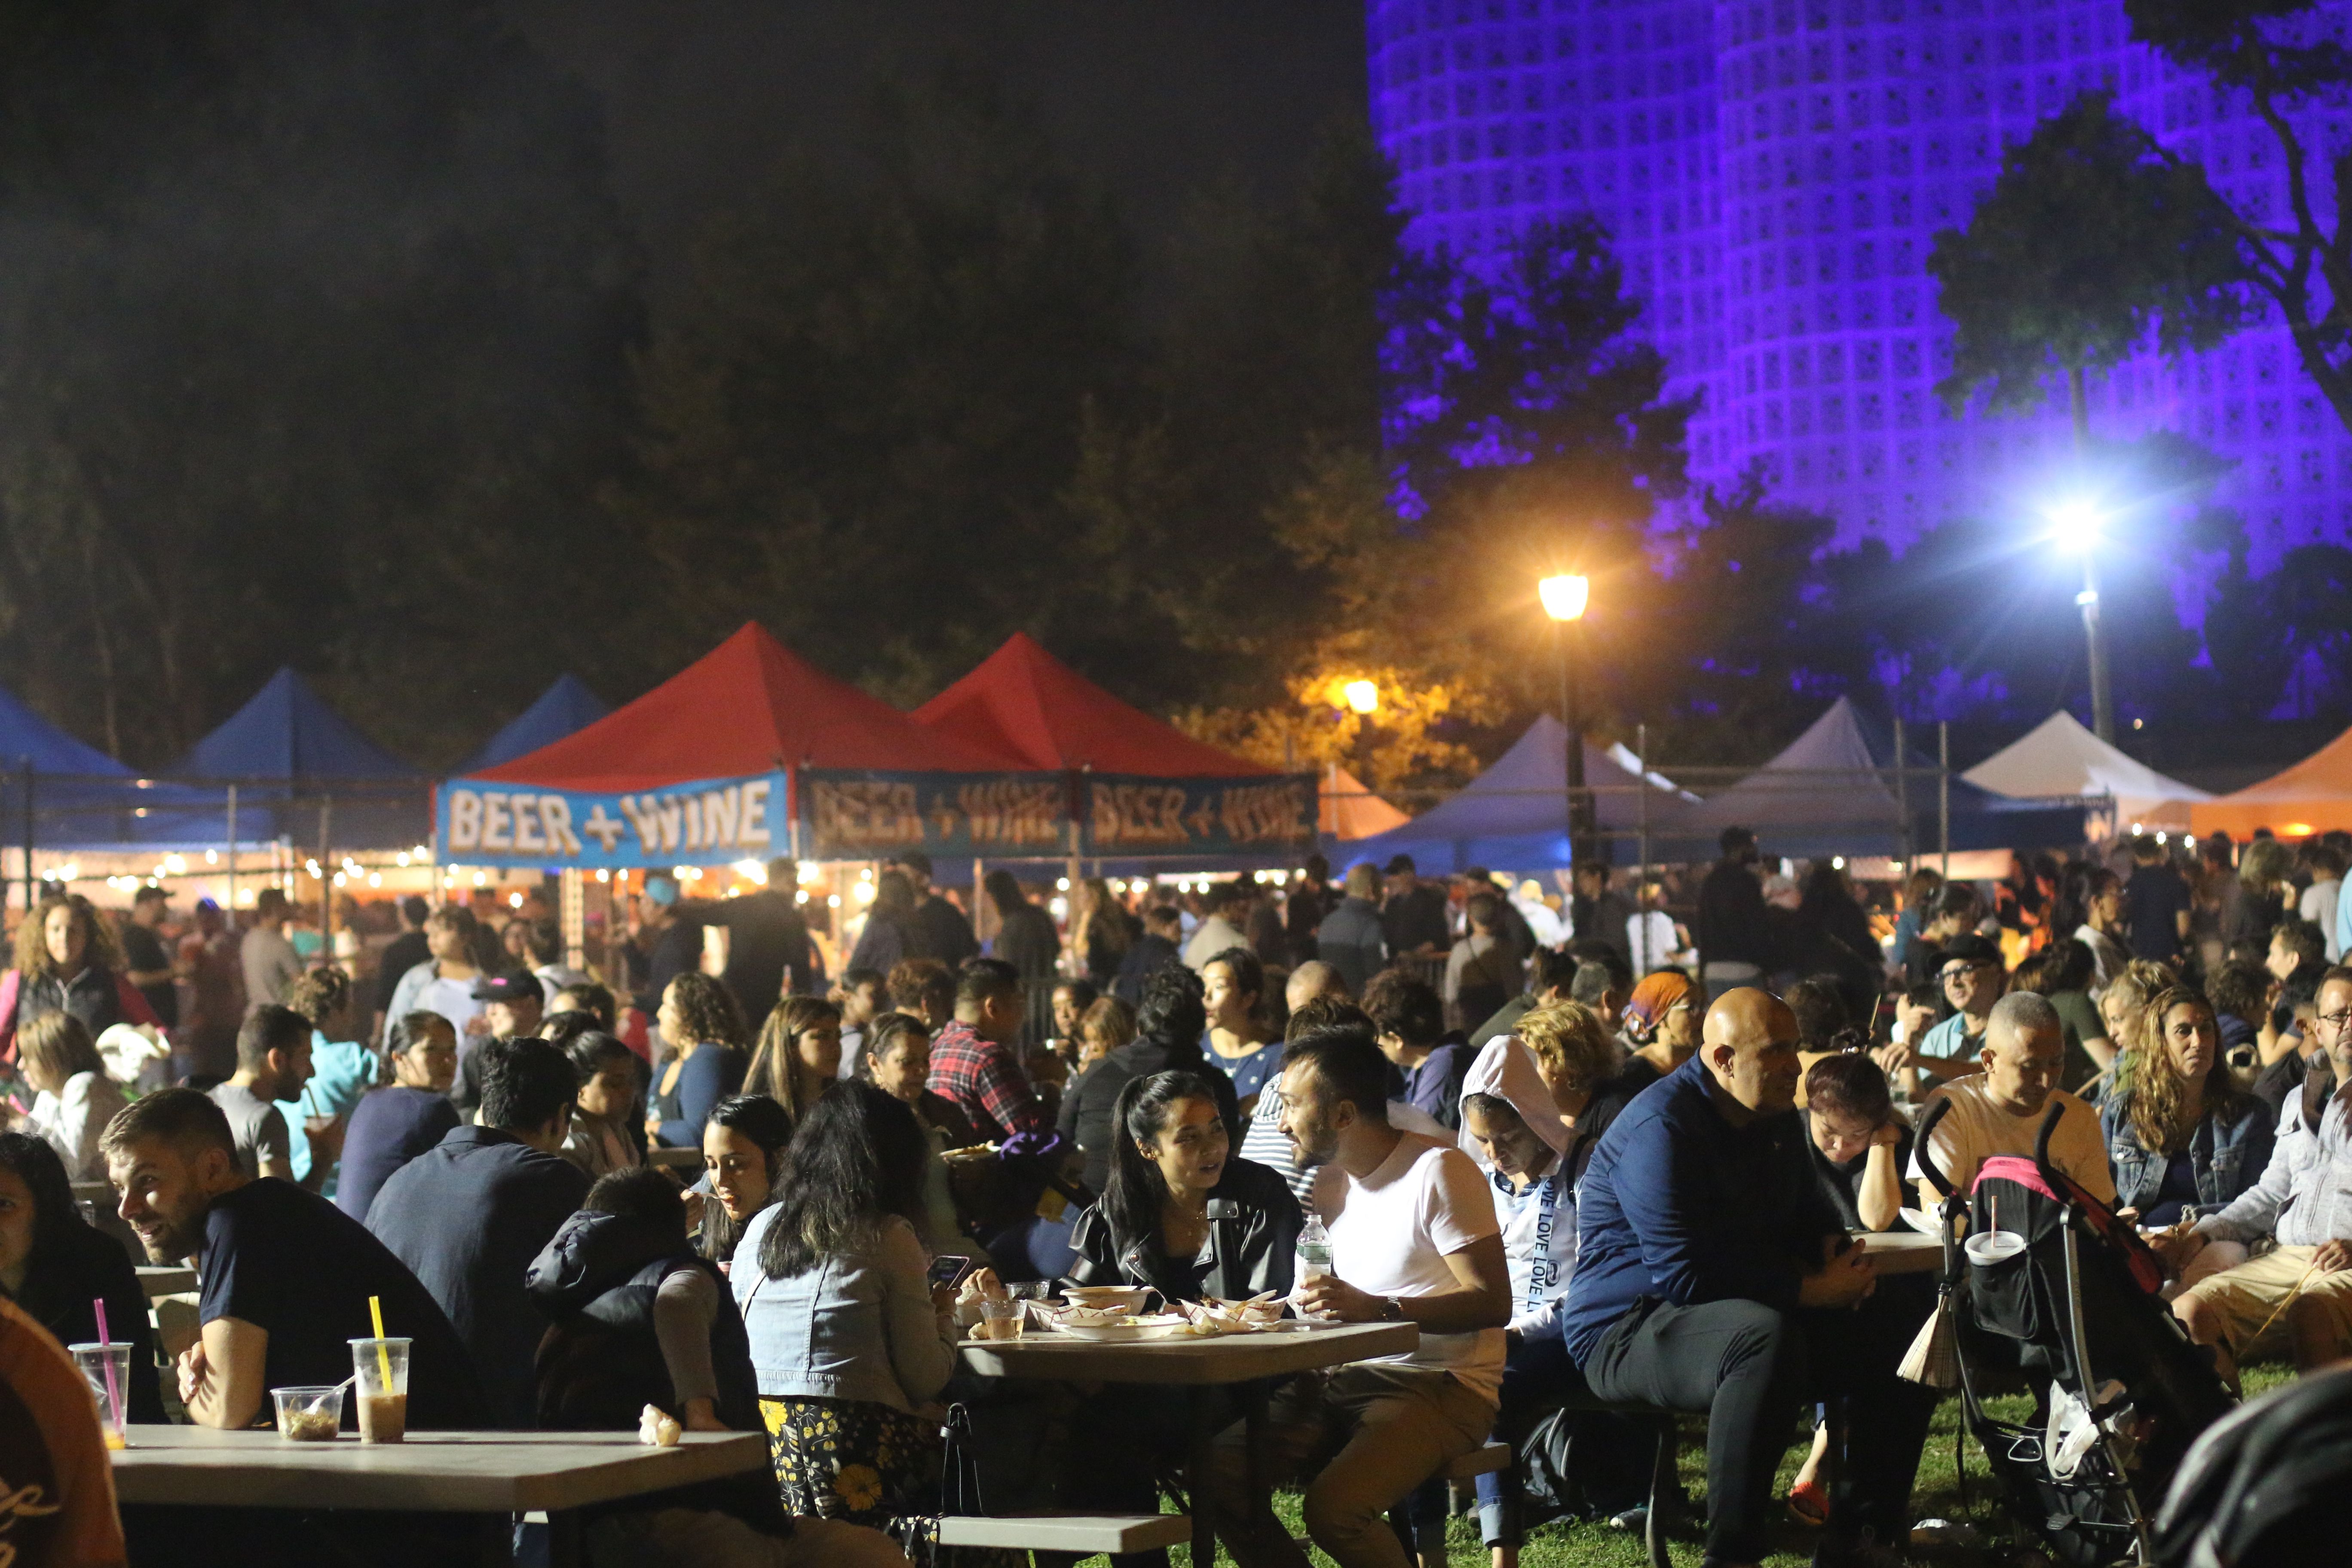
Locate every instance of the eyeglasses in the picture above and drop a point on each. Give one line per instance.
(1962, 973)
(2335, 1021)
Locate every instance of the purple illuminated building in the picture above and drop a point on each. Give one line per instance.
(1774, 172)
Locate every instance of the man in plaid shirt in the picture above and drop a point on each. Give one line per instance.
(973, 1062)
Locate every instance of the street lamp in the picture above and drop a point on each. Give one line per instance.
(2075, 525)
(1564, 600)
(1363, 696)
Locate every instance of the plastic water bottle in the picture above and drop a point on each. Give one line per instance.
(1314, 1251)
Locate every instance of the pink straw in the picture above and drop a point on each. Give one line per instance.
(106, 1359)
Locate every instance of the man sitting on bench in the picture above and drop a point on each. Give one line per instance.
(1414, 1239)
(1712, 1275)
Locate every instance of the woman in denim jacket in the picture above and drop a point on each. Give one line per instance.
(2182, 1134)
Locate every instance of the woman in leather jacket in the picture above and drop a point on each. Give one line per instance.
(1181, 1214)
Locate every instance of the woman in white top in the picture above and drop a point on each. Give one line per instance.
(75, 1099)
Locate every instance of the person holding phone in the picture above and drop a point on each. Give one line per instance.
(851, 1336)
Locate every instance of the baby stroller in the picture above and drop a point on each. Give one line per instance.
(2049, 1283)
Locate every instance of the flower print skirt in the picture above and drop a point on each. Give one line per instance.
(852, 1459)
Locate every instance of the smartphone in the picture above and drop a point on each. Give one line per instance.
(949, 1269)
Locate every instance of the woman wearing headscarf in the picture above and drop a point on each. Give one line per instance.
(1662, 1021)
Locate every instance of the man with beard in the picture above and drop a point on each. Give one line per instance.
(286, 1275)
(1414, 1239)
(1712, 1275)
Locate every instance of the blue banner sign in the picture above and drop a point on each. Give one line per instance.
(1129, 818)
(479, 822)
(857, 814)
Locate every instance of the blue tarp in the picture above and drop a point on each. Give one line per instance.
(288, 753)
(564, 707)
(84, 799)
(1832, 792)
(1514, 817)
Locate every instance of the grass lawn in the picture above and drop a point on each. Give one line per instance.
(1937, 1495)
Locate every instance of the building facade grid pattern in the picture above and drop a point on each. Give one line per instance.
(1773, 172)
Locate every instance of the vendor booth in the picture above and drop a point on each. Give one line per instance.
(2060, 757)
(1515, 815)
(2312, 796)
(1836, 790)
(287, 766)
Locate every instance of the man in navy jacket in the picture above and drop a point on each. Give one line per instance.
(1710, 1274)
(470, 1214)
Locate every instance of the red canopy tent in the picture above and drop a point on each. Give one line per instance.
(748, 706)
(1024, 702)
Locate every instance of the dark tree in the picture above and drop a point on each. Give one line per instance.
(311, 348)
(2091, 240)
(2281, 56)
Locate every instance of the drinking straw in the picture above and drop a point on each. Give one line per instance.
(106, 1359)
(382, 1356)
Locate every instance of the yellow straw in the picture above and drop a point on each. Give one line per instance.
(382, 1356)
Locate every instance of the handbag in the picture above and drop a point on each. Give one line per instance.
(959, 1498)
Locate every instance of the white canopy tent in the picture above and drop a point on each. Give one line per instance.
(2060, 757)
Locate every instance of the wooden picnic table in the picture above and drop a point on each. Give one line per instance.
(674, 1159)
(1199, 1366)
(432, 1472)
(1903, 1251)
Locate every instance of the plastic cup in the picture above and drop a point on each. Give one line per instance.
(383, 1388)
(309, 1413)
(1988, 1248)
(1002, 1319)
(110, 1387)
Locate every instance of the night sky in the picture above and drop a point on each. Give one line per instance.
(1155, 97)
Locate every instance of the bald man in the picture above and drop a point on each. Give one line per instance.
(1712, 1275)
(2000, 1109)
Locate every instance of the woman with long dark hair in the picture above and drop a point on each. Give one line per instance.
(392, 1125)
(56, 1265)
(1169, 1025)
(1172, 1157)
(847, 1337)
(744, 1158)
(1171, 1162)
(608, 1118)
(702, 1031)
(891, 934)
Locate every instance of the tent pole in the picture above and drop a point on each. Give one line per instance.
(1642, 875)
(31, 899)
(573, 898)
(232, 855)
(1902, 795)
(326, 880)
(1944, 792)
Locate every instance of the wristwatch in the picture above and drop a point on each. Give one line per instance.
(1391, 1310)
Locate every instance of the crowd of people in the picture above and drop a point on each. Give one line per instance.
(1587, 1148)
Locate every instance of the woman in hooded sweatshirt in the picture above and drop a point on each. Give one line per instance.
(1534, 1107)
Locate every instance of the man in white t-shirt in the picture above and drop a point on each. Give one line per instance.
(2001, 1110)
(1414, 1239)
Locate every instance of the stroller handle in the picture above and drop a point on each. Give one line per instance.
(2042, 1140)
(1926, 1156)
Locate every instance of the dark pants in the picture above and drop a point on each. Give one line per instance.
(1750, 1368)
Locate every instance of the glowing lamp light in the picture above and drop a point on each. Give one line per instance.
(751, 871)
(1565, 597)
(1363, 696)
(2073, 525)
(2297, 829)
(514, 900)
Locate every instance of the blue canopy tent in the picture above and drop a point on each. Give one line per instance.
(1514, 817)
(82, 799)
(1835, 791)
(291, 755)
(564, 709)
